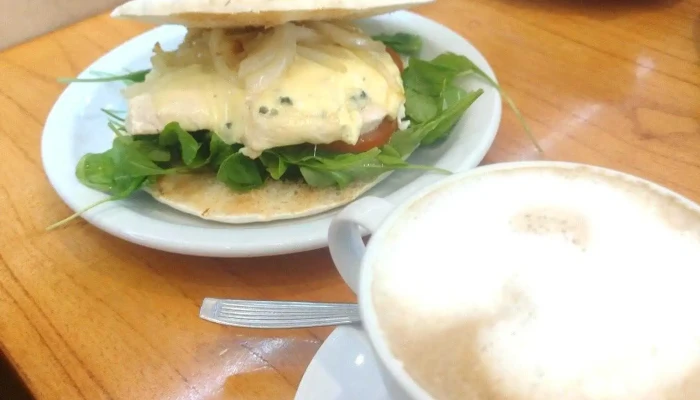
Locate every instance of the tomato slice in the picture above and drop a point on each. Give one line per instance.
(378, 137)
(396, 57)
(369, 140)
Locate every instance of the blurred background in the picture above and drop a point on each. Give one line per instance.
(21, 20)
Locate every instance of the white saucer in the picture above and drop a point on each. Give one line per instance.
(344, 368)
(76, 126)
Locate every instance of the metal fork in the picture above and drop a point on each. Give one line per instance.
(277, 314)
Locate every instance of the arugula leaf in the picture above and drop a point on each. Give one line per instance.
(458, 64)
(451, 95)
(131, 77)
(212, 152)
(116, 128)
(462, 65)
(96, 171)
(79, 213)
(304, 156)
(131, 168)
(325, 178)
(436, 128)
(393, 162)
(240, 173)
(173, 134)
(274, 164)
(389, 150)
(152, 150)
(402, 43)
(115, 122)
(323, 169)
(297, 154)
(440, 126)
(88, 173)
(130, 161)
(219, 150)
(432, 78)
(345, 160)
(112, 114)
(420, 107)
(122, 169)
(427, 78)
(125, 185)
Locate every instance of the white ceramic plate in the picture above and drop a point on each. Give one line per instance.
(344, 368)
(76, 126)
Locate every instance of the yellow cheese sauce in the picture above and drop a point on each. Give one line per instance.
(308, 103)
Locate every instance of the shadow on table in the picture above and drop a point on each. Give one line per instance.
(599, 9)
(11, 386)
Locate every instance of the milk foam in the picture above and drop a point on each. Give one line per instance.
(537, 284)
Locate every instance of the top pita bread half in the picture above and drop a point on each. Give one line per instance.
(248, 13)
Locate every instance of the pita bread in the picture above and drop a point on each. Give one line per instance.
(244, 13)
(202, 195)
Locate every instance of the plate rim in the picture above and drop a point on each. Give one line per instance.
(157, 235)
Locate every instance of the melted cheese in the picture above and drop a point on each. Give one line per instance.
(309, 103)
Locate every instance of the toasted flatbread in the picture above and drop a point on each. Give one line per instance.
(246, 13)
(201, 194)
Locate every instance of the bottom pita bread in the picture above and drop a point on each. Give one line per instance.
(201, 194)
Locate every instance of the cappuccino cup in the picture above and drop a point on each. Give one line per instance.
(529, 281)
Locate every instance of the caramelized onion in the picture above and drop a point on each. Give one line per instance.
(319, 57)
(258, 58)
(218, 51)
(307, 35)
(262, 54)
(346, 38)
(284, 50)
(334, 50)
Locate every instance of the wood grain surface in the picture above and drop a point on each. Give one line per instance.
(88, 316)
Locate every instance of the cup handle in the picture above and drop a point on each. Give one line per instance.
(345, 240)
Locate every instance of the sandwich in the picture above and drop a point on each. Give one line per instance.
(273, 110)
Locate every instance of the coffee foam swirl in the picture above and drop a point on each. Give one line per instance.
(544, 284)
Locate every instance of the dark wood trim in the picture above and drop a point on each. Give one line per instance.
(11, 385)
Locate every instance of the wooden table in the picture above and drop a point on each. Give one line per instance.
(87, 316)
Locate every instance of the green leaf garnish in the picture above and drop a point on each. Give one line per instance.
(79, 213)
(274, 164)
(434, 129)
(123, 169)
(421, 107)
(113, 114)
(131, 77)
(325, 178)
(461, 65)
(402, 43)
(174, 135)
(118, 129)
(240, 173)
(219, 150)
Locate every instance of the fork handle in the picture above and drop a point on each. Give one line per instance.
(286, 324)
(277, 314)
